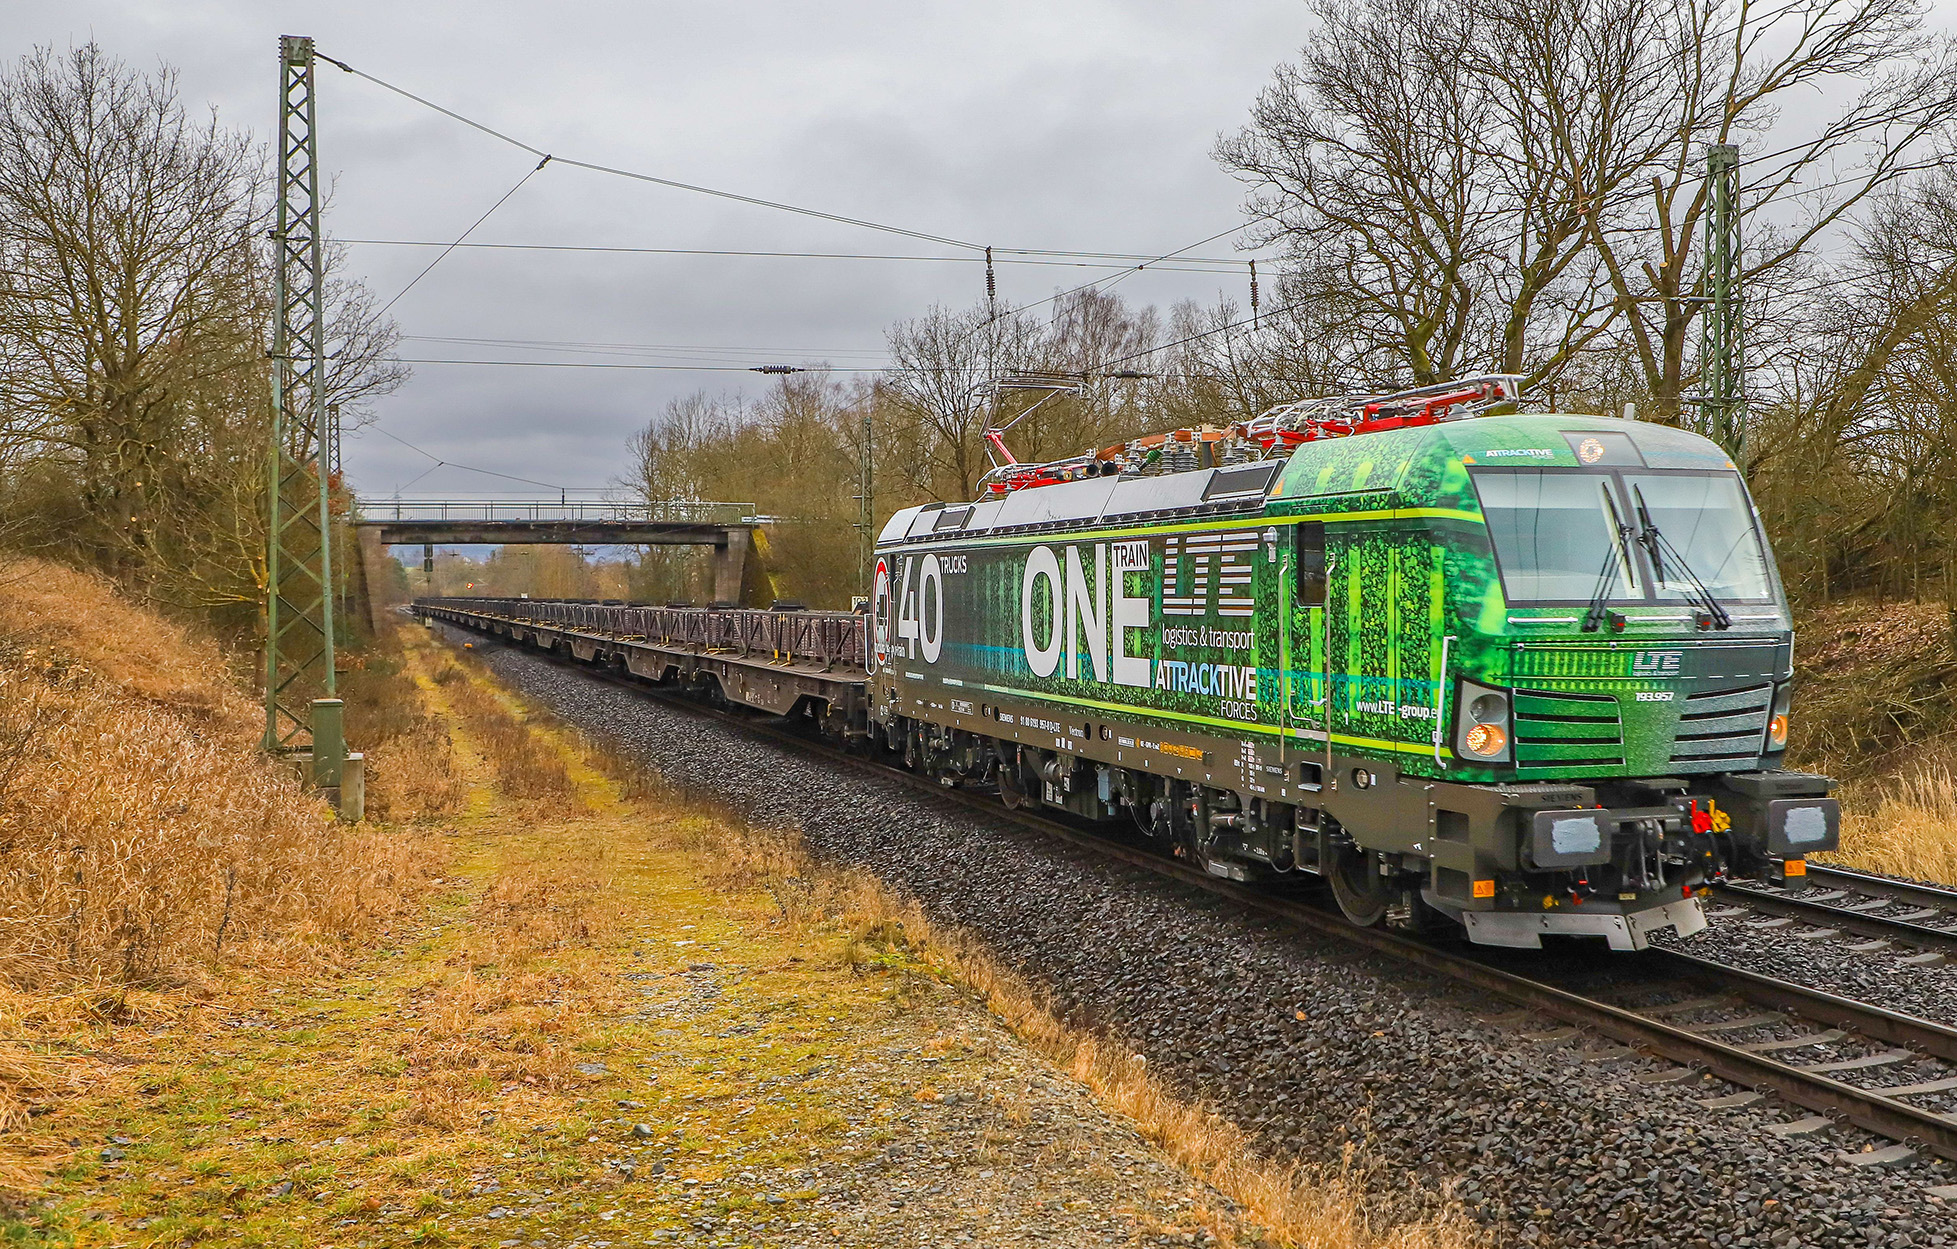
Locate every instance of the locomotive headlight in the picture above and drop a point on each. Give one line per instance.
(1485, 741)
(1481, 724)
(1777, 725)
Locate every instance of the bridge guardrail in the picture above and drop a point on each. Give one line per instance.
(672, 511)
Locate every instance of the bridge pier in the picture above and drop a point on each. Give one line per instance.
(371, 596)
(730, 566)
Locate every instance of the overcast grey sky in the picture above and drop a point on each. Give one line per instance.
(1085, 125)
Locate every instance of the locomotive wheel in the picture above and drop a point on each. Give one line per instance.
(1361, 892)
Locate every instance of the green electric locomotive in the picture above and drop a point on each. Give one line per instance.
(1527, 672)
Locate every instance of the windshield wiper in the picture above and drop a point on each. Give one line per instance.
(1606, 576)
(1616, 556)
(1658, 546)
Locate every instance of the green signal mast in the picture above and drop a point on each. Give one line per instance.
(1722, 394)
(301, 709)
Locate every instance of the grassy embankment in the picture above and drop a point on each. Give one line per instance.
(146, 848)
(1874, 707)
(242, 1021)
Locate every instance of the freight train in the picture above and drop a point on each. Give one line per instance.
(1524, 673)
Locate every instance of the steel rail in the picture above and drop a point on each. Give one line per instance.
(1865, 1108)
(1884, 887)
(1830, 915)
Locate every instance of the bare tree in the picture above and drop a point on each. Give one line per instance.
(1733, 71)
(134, 316)
(1366, 158)
(129, 240)
(934, 398)
(361, 344)
(1521, 182)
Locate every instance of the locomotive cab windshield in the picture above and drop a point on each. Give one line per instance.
(1566, 536)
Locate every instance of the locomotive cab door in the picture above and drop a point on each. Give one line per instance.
(1307, 681)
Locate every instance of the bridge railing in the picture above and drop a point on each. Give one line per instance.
(674, 511)
(827, 637)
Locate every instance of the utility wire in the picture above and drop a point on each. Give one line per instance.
(674, 368)
(1220, 329)
(1185, 264)
(1130, 270)
(749, 199)
(740, 350)
(652, 178)
(465, 234)
(813, 368)
(467, 468)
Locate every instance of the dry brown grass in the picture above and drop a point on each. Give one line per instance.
(519, 991)
(411, 766)
(1874, 708)
(144, 840)
(1875, 686)
(151, 659)
(136, 846)
(28, 1079)
(1905, 826)
(1348, 1207)
(528, 767)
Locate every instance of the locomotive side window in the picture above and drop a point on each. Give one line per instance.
(1310, 541)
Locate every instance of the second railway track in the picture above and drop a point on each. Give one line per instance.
(1840, 903)
(1761, 1033)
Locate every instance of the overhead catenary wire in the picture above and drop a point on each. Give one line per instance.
(464, 235)
(1130, 270)
(1105, 365)
(1058, 260)
(467, 468)
(654, 179)
(655, 367)
(742, 351)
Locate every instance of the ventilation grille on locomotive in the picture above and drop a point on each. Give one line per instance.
(1716, 729)
(1558, 730)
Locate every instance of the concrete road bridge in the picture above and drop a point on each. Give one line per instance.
(726, 527)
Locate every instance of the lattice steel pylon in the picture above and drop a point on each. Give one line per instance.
(1722, 391)
(299, 561)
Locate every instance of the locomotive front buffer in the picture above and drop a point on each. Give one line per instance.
(1554, 859)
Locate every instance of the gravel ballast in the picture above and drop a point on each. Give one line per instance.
(1302, 1039)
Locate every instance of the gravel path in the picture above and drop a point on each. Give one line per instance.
(1302, 1039)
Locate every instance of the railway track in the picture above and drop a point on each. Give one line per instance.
(1836, 902)
(1760, 1033)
